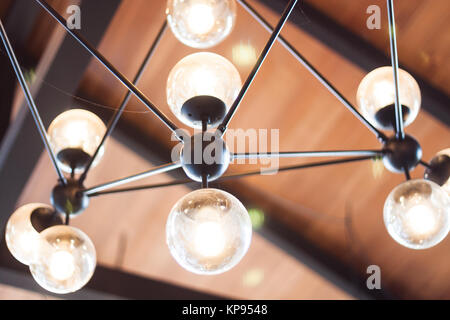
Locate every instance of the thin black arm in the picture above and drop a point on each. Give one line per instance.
(407, 175)
(139, 176)
(399, 130)
(307, 154)
(425, 164)
(124, 80)
(31, 104)
(233, 176)
(117, 114)
(287, 12)
(300, 58)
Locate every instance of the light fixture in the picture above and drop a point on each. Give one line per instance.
(202, 84)
(23, 227)
(66, 259)
(201, 23)
(417, 214)
(208, 231)
(439, 170)
(74, 136)
(376, 97)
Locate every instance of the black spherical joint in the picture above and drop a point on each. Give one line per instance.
(401, 154)
(70, 198)
(204, 108)
(44, 218)
(205, 154)
(439, 169)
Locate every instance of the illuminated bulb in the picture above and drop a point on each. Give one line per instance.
(65, 260)
(61, 265)
(208, 231)
(21, 237)
(202, 74)
(75, 136)
(201, 23)
(376, 97)
(417, 214)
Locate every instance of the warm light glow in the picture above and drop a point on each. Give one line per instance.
(201, 23)
(244, 55)
(208, 231)
(376, 97)
(417, 214)
(209, 239)
(21, 238)
(76, 129)
(199, 74)
(66, 259)
(200, 18)
(62, 265)
(420, 221)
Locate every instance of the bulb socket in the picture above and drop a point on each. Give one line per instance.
(204, 108)
(401, 154)
(439, 169)
(69, 199)
(44, 218)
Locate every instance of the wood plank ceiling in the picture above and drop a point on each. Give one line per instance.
(338, 208)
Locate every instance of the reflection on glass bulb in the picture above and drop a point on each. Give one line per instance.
(201, 23)
(62, 265)
(65, 260)
(21, 237)
(416, 214)
(201, 74)
(208, 231)
(75, 136)
(376, 97)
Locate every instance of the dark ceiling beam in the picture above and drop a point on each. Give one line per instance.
(359, 51)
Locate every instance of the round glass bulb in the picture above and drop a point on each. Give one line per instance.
(416, 214)
(201, 23)
(202, 74)
(76, 134)
(208, 231)
(376, 97)
(65, 260)
(21, 237)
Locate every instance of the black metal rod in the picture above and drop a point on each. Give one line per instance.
(31, 103)
(407, 175)
(307, 154)
(95, 53)
(300, 58)
(139, 176)
(232, 176)
(287, 12)
(399, 130)
(118, 113)
(425, 164)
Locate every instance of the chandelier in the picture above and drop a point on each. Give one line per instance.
(209, 231)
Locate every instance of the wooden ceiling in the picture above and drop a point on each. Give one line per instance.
(337, 208)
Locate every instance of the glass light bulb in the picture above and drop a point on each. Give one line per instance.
(21, 238)
(76, 133)
(65, 260)
(208, 231)
(417, 214)
(201, 74)
(376, 97)
(201, 23)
